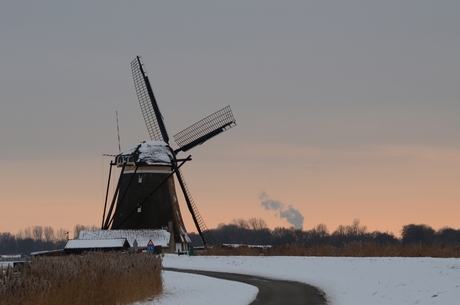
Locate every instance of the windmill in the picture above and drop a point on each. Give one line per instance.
(145, 196)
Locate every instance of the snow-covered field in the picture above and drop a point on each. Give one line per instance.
(346, 281)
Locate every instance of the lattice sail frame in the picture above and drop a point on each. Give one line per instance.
(152, 116)
(205, 129)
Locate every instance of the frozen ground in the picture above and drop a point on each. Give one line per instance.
(182, 288)
(346, 281)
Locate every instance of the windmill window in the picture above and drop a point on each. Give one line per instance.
(140, 178)
(129, 160)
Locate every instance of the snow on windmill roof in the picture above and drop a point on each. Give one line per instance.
(158, 237)
(150, 153)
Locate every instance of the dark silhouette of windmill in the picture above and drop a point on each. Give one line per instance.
(145, 196)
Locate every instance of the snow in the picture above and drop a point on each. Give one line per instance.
(345, 281)
(95, 243)
(158, 237)
(5, 265)
(182, 288)
(150, 153)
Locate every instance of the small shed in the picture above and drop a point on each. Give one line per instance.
(78, 246)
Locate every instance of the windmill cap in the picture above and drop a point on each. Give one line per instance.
(149, 153)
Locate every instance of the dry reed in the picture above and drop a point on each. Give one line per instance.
(354, 249)
(92, 278)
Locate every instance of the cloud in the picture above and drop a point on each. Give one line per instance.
(291, 215)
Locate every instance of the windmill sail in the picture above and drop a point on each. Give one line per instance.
(205, 234)
(205, 129)
(150, 111)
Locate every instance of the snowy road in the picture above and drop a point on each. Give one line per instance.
(271, 291)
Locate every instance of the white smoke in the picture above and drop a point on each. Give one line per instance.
(291, 215)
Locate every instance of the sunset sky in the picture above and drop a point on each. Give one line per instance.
(344, 109)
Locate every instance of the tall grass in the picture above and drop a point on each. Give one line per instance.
(93, 278)
(354, 249)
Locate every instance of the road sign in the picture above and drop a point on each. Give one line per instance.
(150, 246)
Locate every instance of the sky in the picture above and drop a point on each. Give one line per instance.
(345, 110)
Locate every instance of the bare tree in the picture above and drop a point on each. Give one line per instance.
(48, 233)
(340, 231)
(241, 223)
(37, 232)
(78, 228)
(355, 229)
(257, 223)
(320, 230)
(28, 232)
(61, 234)
(20, 235)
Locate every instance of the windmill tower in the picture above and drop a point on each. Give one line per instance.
(145, 196)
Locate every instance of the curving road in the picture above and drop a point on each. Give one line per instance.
(271, 291)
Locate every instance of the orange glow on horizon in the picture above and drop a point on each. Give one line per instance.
(384, 196)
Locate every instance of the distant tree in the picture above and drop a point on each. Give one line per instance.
(78, 228)
(448, 236)
(196, 239)
(8, 243)
(61, 235)
(28, 240)
(241, 223)
(283, 236)
(257, 224)
(340, 231)
(48, 233)
(321, 230)
(37, 232)
(419, 234)
(26, 246)
(350, 233)
(28, 233)
(319, 235)
(355, 229)
(384, 238)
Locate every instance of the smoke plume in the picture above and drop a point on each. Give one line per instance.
(291, 215)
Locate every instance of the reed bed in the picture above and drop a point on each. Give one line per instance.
(91, 279)
(354, 249)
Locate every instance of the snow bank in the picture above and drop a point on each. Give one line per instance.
(183, 288)
(346, 281)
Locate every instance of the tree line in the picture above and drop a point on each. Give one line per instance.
(255, 231)
(37, 238)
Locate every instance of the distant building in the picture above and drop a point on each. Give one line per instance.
(79, 246)
(160, 238)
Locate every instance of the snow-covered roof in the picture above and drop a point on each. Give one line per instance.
(95, 243)
(150, 153)
(158, 237)
(11, 256)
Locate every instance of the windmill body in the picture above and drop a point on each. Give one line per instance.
(145, 197)
(148, 167)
